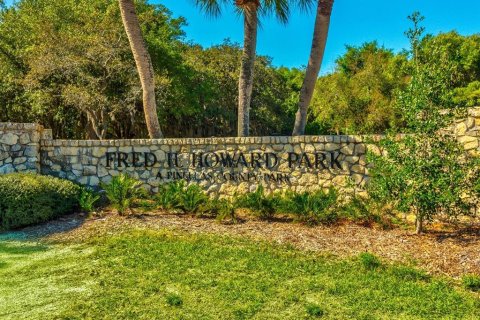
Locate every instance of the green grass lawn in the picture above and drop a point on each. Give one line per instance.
(143, 274)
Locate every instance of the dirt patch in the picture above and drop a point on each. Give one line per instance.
(441, 252)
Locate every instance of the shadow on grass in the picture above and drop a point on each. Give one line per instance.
(15, 249)
(60, 225)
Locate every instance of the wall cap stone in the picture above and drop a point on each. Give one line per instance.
(215, 141)
(21, 126)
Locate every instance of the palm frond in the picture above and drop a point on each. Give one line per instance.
(306, 5)
(211, 7)
(280, 8)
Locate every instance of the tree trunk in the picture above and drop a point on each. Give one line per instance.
(144, 66)
(245, 83)
(320, 34)
(418, 223)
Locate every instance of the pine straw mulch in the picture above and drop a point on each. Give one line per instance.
(452, 253)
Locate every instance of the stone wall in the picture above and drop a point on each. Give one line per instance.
(467, 131)
(20, 147)
(220, 165)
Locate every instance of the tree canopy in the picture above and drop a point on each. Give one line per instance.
(67, 65)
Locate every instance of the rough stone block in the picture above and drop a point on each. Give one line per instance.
(9, 139)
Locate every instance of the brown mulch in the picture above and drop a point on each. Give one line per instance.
(452, 253)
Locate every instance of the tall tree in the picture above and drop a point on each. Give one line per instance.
(320, 34)
(245, 83)
(144, 66)
(251, 9)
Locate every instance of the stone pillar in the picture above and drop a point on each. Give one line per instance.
(20, 147)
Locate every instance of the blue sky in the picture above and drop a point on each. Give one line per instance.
(353, 22)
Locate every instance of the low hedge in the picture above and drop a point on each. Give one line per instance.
(27, 199)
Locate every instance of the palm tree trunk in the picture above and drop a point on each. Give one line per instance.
(245, 84)
(320, 34)
(144, 66)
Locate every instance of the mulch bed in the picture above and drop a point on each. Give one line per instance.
(452, 253)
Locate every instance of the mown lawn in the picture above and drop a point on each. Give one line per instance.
(144, 274)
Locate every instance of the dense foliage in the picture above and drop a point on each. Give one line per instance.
(361, 94)
(28, 199)
(67, 64)
(180, 197)
(424, 171)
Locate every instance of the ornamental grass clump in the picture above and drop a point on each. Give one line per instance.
(312, 207)
(260, 204)
(180, 196)
(122, 191)
(221, 209)
(192, 199)
(363, 211)
(87, 199)
(168, 196)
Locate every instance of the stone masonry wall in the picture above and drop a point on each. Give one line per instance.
(20, 147)
(467, 131)
(222, 166)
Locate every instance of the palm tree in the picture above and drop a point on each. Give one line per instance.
(320, 34)
(245, 83)
(251, 9)
(144, 66)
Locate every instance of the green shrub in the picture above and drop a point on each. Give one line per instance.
(369, 261)
(122, 191)
(423, 172)
(312, 208)
(471, 282)
(87, 199)
(178, 195)
(28, 199)
(260, 204)
(168, 196)
(221, 209)
(359, 210)
(192, 198)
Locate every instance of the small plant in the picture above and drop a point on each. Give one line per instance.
(168, 196)
(314, 310)
(145, 205)
(471, 282)
(312, 208)
(87, 199)
(192, 198)
(178, 195)
(122, 191)
(369, 261)
(174, 300)
(263, 206)
(360, 210)
(221, 209)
